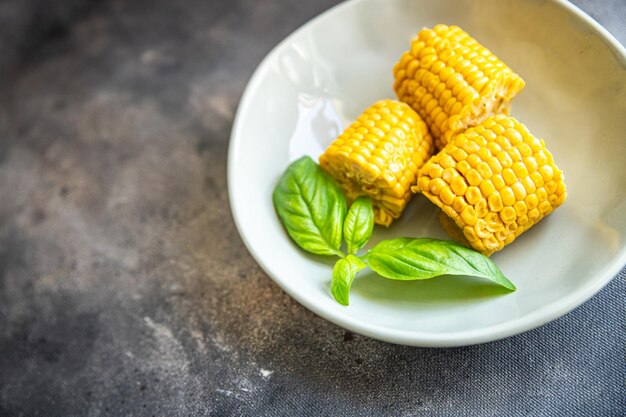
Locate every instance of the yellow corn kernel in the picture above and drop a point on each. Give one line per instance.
(487, 187)
(508, 196)
(436, 170)
(493, 222)
(447, 196)
(473, 160)
(511, 227)
(519, 191)
(463, 166)
(472, 195)
(520, 208)
(449, 174)
(509, 176)
(482, 208)
(454, 82)
(469, 234)
(449, 211)
(493, 163)
(531, 201)
(459, 154)
(481, 229)
(459, 185)
(469, 215)
(473, 177)
(529, 185)
(448, 162)
(495, 202)
(534, 214)
(507, 214)
(498, 181)
(520, 170)
(509, 201)
(436, 185)
(379, 156)
(483, 168)
(423, 182)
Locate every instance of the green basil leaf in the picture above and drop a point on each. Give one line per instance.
(359, 224)
(343, 274)
(423, 258)
(311, 207)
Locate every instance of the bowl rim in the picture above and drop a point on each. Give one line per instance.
(513, 327)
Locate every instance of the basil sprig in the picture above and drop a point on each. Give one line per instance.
(359, 223)
(343, 274)
(311, 206)
(423, 258)
(313, 210)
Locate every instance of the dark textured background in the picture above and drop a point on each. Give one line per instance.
(124, 287)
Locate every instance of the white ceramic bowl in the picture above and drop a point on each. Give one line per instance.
(321, 77)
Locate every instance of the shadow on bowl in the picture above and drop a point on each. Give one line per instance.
(445, 289)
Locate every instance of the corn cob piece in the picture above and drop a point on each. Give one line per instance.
(379, 156)
(493, 181)
(453, 81)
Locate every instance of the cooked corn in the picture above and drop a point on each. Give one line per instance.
(453, 82)
(379, 156)
(494, 181)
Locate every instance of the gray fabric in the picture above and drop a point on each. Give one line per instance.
(125, 289)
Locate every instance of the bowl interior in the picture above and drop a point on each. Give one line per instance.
(320, 78)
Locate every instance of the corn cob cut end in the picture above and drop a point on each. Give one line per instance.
(379, 155)
(493, 181)
(453, 82)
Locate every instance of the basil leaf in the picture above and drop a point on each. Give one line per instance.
(359, 224)
(343, 274)
(311, 207)
(423, 258)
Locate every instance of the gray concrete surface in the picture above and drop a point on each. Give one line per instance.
(124, 286)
